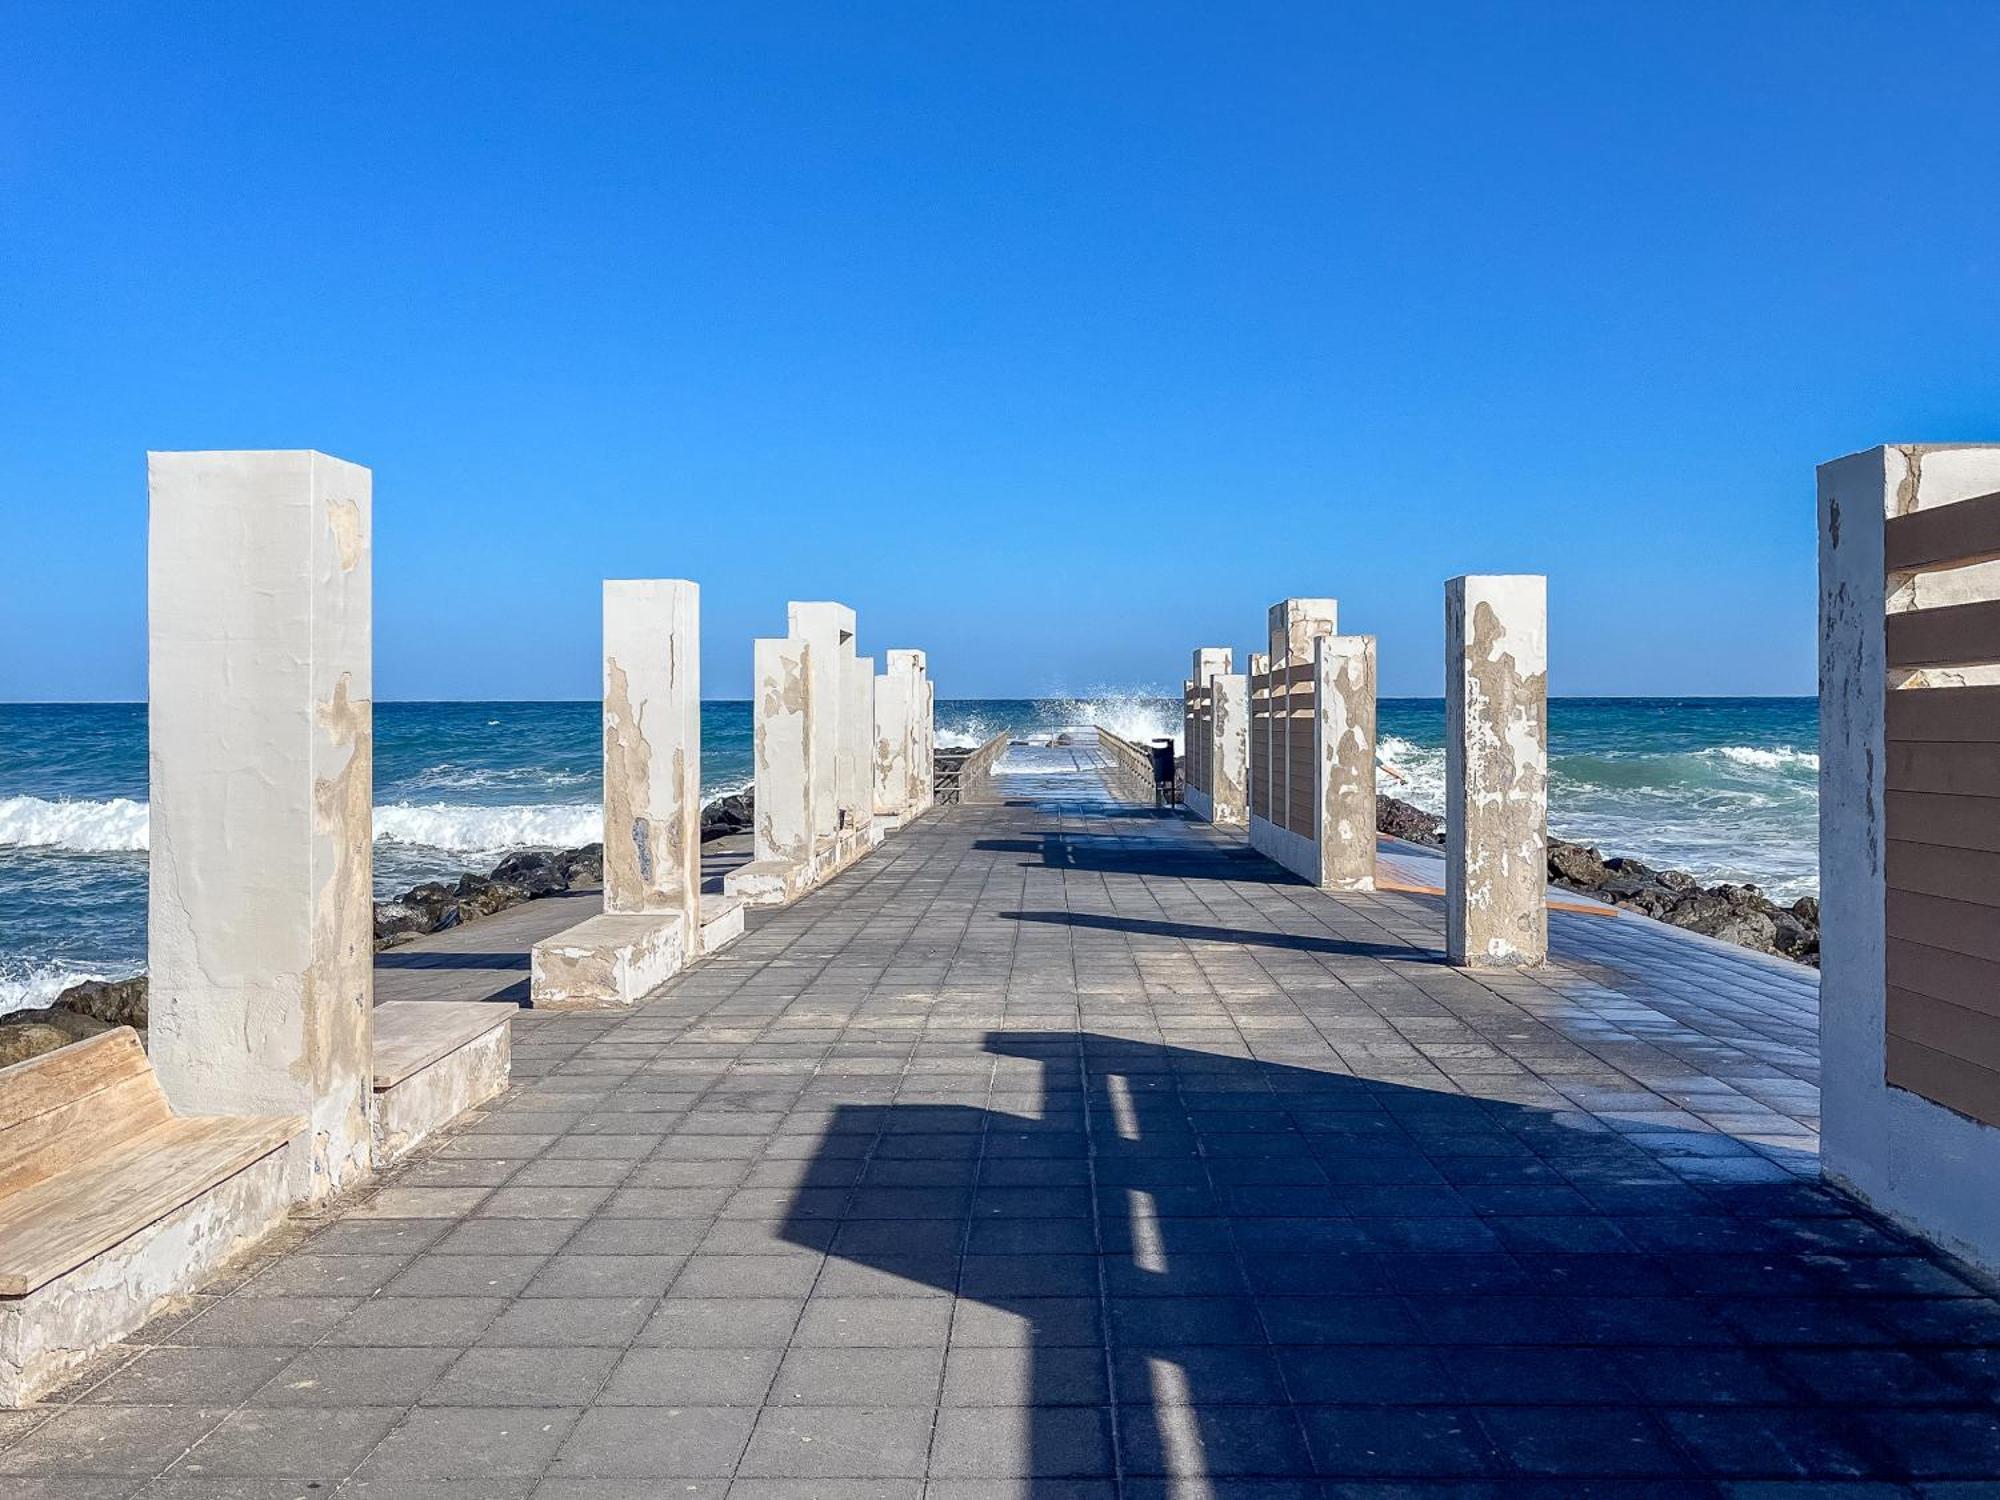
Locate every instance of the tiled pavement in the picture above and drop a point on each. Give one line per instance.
(1060, 1150)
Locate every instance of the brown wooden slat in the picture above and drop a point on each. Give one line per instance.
(58, 1224)
(1951, 1081)
(1963, 531)
(1956, 770)
(1971, 875)
(1943, 713)
(54, 1079)
(1937, 818)
(1954, 635)
(1957, 977)
(1943, 1027)
(1935, 922)
(72, 1133)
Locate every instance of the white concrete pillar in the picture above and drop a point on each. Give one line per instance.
(1293, 626)
(855, 778)
(1229, 750)
(1345, 665)
(1909, 826)
(260, 943)
(652, 747)
(1210, 662)
(894, 735)
(785, 744)
(914, 667)
(828, 629)
(1496, 770)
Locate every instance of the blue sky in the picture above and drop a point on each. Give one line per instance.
(1058, 339)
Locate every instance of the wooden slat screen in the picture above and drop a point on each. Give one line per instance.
(1941, 816)
(1197, 736)
(1260, 744)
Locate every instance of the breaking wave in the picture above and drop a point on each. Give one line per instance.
(79, 825)
(27, 984)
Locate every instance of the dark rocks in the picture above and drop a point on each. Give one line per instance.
(1739, 914)
(1401, 820)
(583, 866)
(537, 872)
(726, 815)
(22, 1039)
(115, 1002)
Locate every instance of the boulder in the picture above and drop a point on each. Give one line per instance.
(538, 872)
(1401, 820)
(583, 866)
(21, 1040)
(115, 1002)
(1575, 865)
(481, 897)
(734, 813)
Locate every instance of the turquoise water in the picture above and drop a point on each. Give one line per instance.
(1725, 787)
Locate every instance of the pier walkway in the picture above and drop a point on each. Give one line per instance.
(1062, 1149)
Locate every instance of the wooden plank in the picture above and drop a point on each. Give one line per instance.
(72, 1133)
(1937, 922)
(1939, 818)
(1943, 713)
(1943, 1027)
(1964, 531)
(1954, 635)
(1951, 1081)
(1943, 975)
(55, 1079)
(410, 1035)
(1969, 875)
(1406, 888)
(1957, 770)
(58, 1224)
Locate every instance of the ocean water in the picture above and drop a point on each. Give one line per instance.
(1723, 787)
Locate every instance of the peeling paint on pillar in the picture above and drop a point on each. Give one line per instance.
(1229, 749)
(260, 939)
(652, 747)
(1496, 770)
(783, 744)
(1345, 667)
(828, 628)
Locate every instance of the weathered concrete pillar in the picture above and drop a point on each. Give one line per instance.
(1909, 826)
(855, 776)
(915, 666)
(1229, 750)
(828, 629)
(652, 747)
(1496, 770)
(651, 926)
(894, 734)
(784, 745)
(1346, 688)
(1221, 755)
(260, 944)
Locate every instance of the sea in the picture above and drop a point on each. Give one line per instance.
(1725, 788)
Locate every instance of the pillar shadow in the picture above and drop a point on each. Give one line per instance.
(1199, 932)
(1176, 1266)
(1174, 860)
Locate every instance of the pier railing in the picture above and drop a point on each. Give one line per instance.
(963, 773)
(1131, 771)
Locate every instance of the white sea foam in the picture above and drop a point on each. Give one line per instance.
(29, 984)
(83, 826)
(119, 825)
(1784, 757)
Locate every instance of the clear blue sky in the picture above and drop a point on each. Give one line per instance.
(1056, 338)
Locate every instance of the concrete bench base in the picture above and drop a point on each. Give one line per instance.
(51, 1333)
(610, 961)
(434, 1060)
(771, 882)
(721, 922)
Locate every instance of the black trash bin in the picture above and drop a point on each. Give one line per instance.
(1163, 773)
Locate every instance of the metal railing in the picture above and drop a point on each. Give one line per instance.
(1133, 773)
(962, 773)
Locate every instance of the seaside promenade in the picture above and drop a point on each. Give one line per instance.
(1070, 1150)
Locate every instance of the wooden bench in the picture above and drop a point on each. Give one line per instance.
(110, 1203)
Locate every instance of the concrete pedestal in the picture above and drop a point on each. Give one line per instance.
(612, 960)
(1496, 770)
